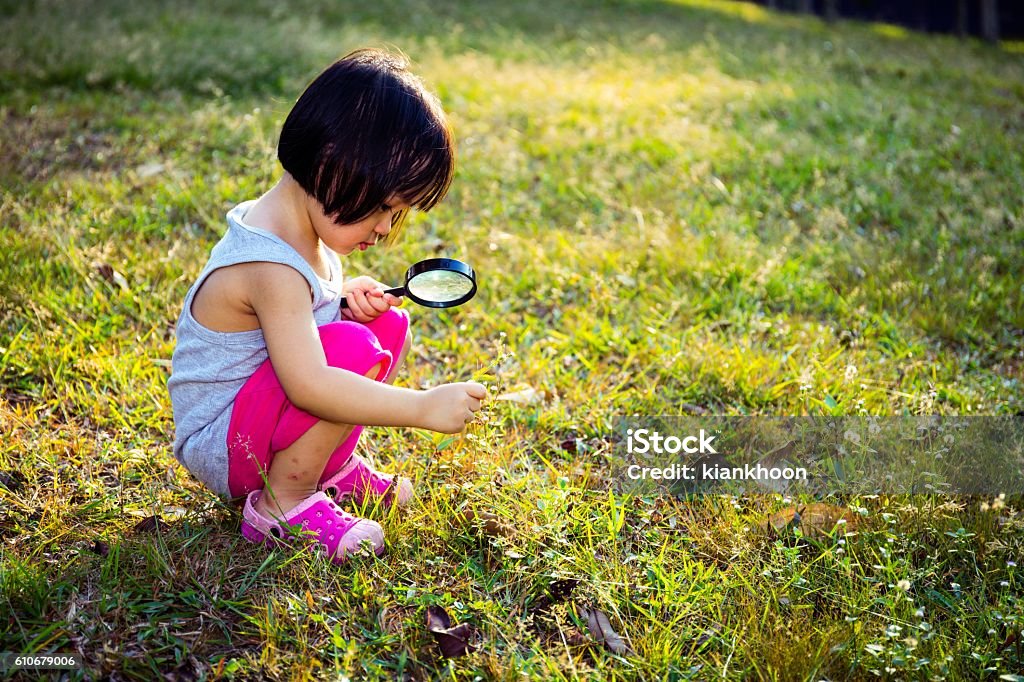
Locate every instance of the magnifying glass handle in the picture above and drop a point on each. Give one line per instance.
(397, 291)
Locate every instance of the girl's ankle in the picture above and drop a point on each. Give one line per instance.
(279, 505)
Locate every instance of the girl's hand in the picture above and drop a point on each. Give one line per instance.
(450, 407)
(366, 299)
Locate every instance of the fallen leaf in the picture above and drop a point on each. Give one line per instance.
(107, 272)
(453, 640)
(149, 524)
(815, 520)
(601, 630)
(561, 589)
(558, 590)
(486, 522)
(100, 547)
(438, 619)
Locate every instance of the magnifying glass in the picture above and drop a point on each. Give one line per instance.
(436, 283)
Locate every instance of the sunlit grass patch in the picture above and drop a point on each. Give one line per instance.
(673, 207)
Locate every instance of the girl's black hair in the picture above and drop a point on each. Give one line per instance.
(365, 129)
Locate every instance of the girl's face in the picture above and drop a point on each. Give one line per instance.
(344, 239)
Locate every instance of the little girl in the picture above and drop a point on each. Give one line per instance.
(272, 382)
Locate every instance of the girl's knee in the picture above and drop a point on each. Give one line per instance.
(408, 342)
(354, 346)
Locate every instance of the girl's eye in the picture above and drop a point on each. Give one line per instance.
(385, 208)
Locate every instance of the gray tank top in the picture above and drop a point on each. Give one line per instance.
(209, 367)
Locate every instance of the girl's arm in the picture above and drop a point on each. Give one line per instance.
(279, 295)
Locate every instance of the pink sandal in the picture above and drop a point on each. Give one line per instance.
(337, 532)
(357, 479)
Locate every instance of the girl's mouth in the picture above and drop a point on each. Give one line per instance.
(364, 245)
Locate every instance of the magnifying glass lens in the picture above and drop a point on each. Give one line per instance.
(439, 286)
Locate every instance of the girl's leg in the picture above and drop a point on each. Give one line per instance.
(400, 363)
(295, 471)
(391, 331)
(264, 423)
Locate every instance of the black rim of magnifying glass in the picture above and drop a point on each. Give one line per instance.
(431, 264)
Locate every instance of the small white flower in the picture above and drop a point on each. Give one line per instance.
(904, 585)
(1011, 563)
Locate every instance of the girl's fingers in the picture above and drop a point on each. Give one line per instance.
(368, 305)
(379, 302)
(360, 306)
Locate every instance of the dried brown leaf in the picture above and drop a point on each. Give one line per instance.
(816, 520)
(561, 589)
(107, 272)
(488, 523)
(453, 640)
(601, 630)
(150, 524)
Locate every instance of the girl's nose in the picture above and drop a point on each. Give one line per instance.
(384, 226)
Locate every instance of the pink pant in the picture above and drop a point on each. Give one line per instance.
(264, 421)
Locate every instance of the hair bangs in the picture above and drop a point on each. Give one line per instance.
(364, 131)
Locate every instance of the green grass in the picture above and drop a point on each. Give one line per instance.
(672, 205)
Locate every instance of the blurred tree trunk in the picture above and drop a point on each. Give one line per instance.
(806, 6)
(990, 20)
(961, 18)
(831, 10)
(773, 4)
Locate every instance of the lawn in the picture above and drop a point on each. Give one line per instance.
(675, 207)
